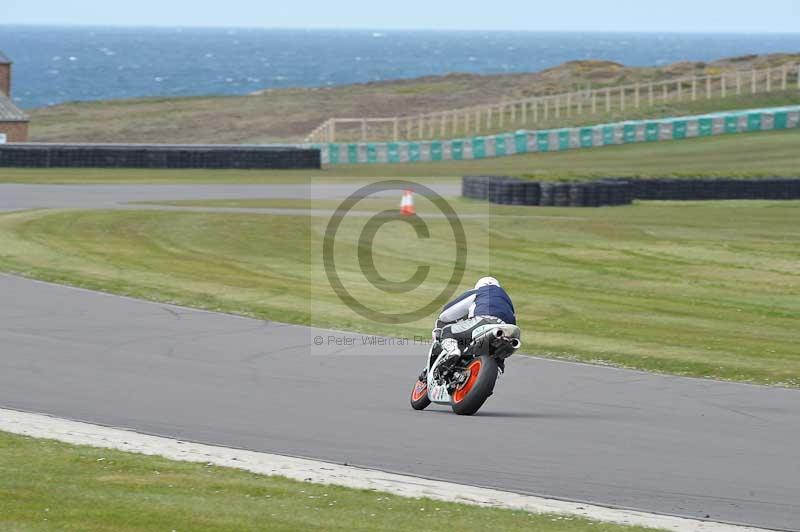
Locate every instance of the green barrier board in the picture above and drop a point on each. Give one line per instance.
(479, 148)
(563, 140)
(333, 150)
(608, 135)
(394, 152)
(587, 137)
(352, 153)
(679, 128)
(436, 151)
(651, 132)
(706, 127)
(499, 145)
(457, 147)
(543, 141)
(629, 133)
(754, 122)
(521, 142)
(414, 152)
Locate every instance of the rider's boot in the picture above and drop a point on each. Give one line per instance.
(452, 352)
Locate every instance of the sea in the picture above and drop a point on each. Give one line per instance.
(60, 64)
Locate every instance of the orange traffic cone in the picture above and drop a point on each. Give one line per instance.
(407, 205)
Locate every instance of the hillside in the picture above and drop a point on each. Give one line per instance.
(290, 114)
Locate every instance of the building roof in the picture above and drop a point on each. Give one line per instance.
(4, 60)
(10, 112)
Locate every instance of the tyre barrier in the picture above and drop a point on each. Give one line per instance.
(546, 198)
(515, 191)
(32, 155)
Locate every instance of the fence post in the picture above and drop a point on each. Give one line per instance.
(546, 108)
(755, 82)
(608, 100)
(569, 104)
(622, 98)
(665, 86)
(708, 87)
(363, 130)
(580, 96)
(638, 94)
(723, 86)
(477, 121)
(694, 88)
(784, 77)
(738, 83)
(769, 79)
(535, 111)
(650, 93)
(489, 118)
(333, 130)
(513, 113)
(679, 90)
(525, 112)
(594, 102)
(396, 128)
(421, 133)
(502, 111)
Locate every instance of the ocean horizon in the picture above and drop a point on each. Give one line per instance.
(56, 64)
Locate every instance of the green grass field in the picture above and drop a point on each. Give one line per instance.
(694, 288)
(46, 485)
(765, 154)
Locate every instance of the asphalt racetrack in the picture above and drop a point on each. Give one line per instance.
(704, 449)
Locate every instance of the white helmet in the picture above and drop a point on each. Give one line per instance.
(487, 281)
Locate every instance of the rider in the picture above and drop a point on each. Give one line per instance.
(487, 304)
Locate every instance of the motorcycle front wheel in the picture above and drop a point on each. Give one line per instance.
(419, 396)
(481, 378)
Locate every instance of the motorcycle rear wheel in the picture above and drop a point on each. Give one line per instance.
(469, 398)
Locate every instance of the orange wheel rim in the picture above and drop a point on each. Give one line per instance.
(420, 390)
(474, 370)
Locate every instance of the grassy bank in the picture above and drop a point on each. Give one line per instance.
(702, 289)
(775, 153)
(290, 114)
(46, 485)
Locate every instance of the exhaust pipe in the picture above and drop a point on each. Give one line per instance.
(516, 343)
(498, 333)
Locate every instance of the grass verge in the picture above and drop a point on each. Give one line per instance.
(708, 289)
(766, 154)
(47, 485)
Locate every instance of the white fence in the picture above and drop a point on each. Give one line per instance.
(557, 109)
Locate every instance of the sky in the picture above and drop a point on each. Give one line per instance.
(762, 16)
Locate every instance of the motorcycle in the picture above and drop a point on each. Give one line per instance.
(467, 384)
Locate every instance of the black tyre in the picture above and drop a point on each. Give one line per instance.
(476, 390)
(419, 396)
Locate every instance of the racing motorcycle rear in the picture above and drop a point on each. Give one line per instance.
(467, 384)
